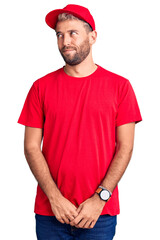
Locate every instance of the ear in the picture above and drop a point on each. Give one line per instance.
(92, 37)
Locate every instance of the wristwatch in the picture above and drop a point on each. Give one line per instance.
(104, 193)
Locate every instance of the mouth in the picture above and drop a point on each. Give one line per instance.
(68, 50)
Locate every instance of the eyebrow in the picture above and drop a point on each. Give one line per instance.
(73, 30)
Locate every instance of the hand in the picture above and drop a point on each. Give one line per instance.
(88, 212)
(63, 209)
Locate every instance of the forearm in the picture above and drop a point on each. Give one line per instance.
(117, 167)
(40, 170)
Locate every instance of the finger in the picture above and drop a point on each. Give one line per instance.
(92, 224)
(82, 223)
(79, 209)
(75, 208)
(72, 215)
(65, 219)
(71, 218)
(60, 219)
(75, 214)
(76, 220)
(88, 224)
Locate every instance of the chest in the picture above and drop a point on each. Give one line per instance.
(91, 98)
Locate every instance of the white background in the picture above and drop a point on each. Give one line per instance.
(128, 44)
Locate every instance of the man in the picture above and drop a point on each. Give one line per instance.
(86, 117)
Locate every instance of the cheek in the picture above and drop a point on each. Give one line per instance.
(76, 42)
(59, 44)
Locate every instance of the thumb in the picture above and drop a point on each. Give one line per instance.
(79, 208)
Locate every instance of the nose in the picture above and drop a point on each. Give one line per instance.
(66, 40)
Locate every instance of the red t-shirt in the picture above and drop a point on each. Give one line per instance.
(79, 116)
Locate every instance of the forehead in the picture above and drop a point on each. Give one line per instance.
(66, 25)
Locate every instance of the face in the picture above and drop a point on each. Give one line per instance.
(73, 41)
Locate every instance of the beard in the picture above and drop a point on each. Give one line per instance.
(77, 57)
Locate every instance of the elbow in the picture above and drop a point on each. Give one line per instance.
(31, 149)
(125, 148)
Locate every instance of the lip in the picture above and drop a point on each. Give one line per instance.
(68, 50)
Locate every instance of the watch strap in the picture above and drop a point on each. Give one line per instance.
(105, 189)
(98, 190)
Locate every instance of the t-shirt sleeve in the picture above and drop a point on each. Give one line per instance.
(32, 114)
(128, 109)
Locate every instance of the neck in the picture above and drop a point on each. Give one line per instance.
(83, 69)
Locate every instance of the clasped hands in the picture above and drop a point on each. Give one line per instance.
(88, 212)
(85, 216)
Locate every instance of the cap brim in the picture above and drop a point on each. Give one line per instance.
(52, 17)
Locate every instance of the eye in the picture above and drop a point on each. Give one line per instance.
(59, 35)
(73, 33)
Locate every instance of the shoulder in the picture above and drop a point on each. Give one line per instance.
(114, 77)
(43, 85)
(47, 79)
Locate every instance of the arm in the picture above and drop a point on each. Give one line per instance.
(62, 208)
(124, 149)
(90, 210)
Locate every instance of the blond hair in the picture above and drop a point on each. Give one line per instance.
(66, 16)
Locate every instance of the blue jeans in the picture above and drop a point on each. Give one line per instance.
(49, 228)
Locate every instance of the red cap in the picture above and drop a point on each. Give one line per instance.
(76, 10)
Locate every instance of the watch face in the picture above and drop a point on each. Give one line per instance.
(105, 195)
